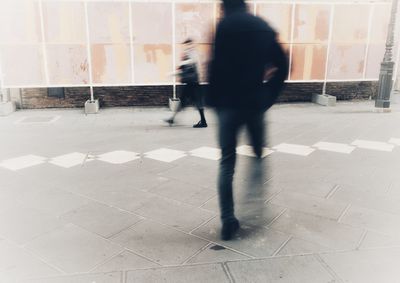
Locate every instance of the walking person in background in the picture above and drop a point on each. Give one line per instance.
(189, 76)
(245, 51)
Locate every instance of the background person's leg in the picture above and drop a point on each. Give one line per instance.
(199, 102)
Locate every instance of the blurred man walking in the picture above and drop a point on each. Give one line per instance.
(189, 77)
(245, 50)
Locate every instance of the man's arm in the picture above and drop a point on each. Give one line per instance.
(276, 81)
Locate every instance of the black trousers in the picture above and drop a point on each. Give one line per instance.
(230, 122)
(191, 93)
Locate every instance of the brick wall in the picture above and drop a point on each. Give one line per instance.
(158, 95)
(352, 90)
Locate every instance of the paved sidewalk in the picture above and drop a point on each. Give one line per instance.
(121, 197)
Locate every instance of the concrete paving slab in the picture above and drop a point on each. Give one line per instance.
(199, 273)
(184, 192)
(101, 219)
(286, 269)
(124, 198)
(20, 225)
(319, 230)
(73, 249)
(377, 240)
(125, 261)
(297, 246)
(313, 188)
(373, 200)
(17, 263)
(310, 204)
(53, 201)
(159, 243)
(192, 175)
(173, 213)
(374, 220)
(378, 265)
(112, 277)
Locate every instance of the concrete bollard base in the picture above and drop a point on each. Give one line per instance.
(324, 99)
(6, 108)
(92, 107)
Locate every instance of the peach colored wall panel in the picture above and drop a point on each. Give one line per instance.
(346, 62)
(67, 64)
(22, 65)
(111, 63)
(153, 63)
(194, 20)
(152, 23)
(374, 59)
(308, 62)
(64, 22)
(279, 16)
(109, 22)
(350, 24)
(311, 24)
(19, 22)
(380, 23)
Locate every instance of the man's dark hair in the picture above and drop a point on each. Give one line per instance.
(233, 5)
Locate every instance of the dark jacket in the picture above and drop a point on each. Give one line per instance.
(245, 46)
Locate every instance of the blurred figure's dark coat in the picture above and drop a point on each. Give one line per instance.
(245, 47)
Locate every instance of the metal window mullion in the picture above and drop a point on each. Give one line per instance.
(131, 43)
(89, 51)
(291, 40)
(43, 44)
(173, 50)
(328, 49)
(3, 97)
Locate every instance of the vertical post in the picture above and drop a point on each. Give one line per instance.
(173, 49)
(293, 17)
(44, 49)
(328, 49)
(3, 96)
(382, 102)
(89, 52)
(131, 43)
(91, 106)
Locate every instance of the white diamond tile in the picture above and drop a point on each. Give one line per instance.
(248, 151)
(22, 162)
(335, 147)
(294, 149)
(69, 160)
(374, 145)
(119, 156)
(207, 153)
(165, 154)
(394, 141)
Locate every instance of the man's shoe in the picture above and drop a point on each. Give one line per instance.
(200, 124)
(229, 229)
(169, 121)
